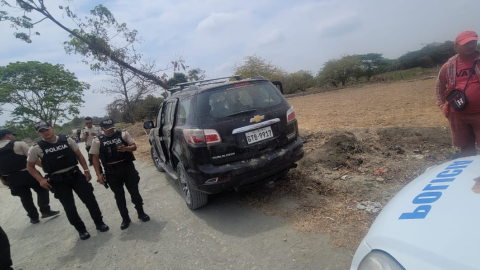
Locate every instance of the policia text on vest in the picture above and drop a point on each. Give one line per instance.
(60, 156)
(114, 148)
(14, 174)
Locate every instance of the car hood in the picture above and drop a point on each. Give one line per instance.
(434, 221)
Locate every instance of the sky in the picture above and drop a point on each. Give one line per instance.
(215, 34)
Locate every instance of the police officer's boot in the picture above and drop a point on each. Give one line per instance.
(84, 235)
(141, 214)
(125, 223)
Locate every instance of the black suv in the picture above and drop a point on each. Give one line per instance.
(229, 135)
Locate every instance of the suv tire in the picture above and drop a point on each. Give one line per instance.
(193, 198)
(156, 160)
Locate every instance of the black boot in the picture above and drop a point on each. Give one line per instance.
(50, 213)
(143, 217)
(102, 227)
(125, 224)
(34, 220)
(84, 235)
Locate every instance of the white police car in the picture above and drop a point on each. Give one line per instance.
(432, 223)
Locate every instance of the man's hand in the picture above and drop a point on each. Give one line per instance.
(100, 179)
(88, 176)
(4, 182)
(44, 183)
(122, 148)
(93, 134)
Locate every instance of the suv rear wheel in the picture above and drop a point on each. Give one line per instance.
(156, 160)
(194, 198)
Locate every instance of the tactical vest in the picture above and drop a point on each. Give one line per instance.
(108, 148)
(57, 156)
(10, 162)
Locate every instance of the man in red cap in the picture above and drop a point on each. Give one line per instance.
(462, 72)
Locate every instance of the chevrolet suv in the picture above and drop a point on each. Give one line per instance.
(214, 136)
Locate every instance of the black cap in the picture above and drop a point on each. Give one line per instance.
(5, 131)
(107, 124)
(42, 125)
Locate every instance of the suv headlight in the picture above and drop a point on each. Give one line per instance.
(379, 260)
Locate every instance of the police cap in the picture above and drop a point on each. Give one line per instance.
(107, 124)
(42, 125)
(5, 131)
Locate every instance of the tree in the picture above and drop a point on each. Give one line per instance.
(149, 107)
(177, 78)
(196, 74)
(40, 91)
(373, 63)
(298, 81)
(96, 39)
(256, 66)
(128, 88)
(339, 71)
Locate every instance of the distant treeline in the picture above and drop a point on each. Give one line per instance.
(351, 69)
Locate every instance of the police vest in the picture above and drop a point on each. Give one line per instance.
(11, 162)
(109, 146)
(57, 156)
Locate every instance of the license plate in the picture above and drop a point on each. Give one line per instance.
(258, 135)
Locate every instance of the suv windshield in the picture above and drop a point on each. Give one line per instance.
(237, 99)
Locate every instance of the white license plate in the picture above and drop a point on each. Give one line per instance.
(259, 135)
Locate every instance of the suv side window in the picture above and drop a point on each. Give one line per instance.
(183, 112)
(169, 112)
(159, 117)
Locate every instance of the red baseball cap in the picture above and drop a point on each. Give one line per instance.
(466, 36)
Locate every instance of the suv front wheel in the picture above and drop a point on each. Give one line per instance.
(194, 198)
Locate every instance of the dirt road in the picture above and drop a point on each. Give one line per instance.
(222, 235)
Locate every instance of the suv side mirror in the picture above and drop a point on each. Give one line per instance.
(279, 86)
(148, 125)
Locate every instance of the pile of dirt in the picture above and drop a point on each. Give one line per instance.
(343, 171)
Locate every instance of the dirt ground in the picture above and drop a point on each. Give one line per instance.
(362, 146)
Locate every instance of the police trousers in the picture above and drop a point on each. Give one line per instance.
(20, 184)
(5, 257)
(90, 157)
(118, 175)
(64, 185)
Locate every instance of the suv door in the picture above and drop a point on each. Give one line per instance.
(159, 138)
(168, 118)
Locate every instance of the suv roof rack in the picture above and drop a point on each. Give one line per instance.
(206, 82)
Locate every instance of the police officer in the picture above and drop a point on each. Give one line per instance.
(88, 133)
(14, 174)
(114, 148)
(60, 156)
(5, 257)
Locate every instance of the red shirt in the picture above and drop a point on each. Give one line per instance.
(473, 88)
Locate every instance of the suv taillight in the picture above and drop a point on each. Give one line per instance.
(212, 136)
(201, 136)
(290, 114)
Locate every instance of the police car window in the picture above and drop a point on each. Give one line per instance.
(183, 111)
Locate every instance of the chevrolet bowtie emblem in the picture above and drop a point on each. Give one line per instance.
(257, 118)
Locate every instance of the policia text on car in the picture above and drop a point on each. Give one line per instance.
(114, 148)
(14, 174)
(60, 156)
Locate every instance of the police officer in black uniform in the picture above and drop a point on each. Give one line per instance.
(5, 257)
(14, 174)
(114, 148)
(60, 156)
